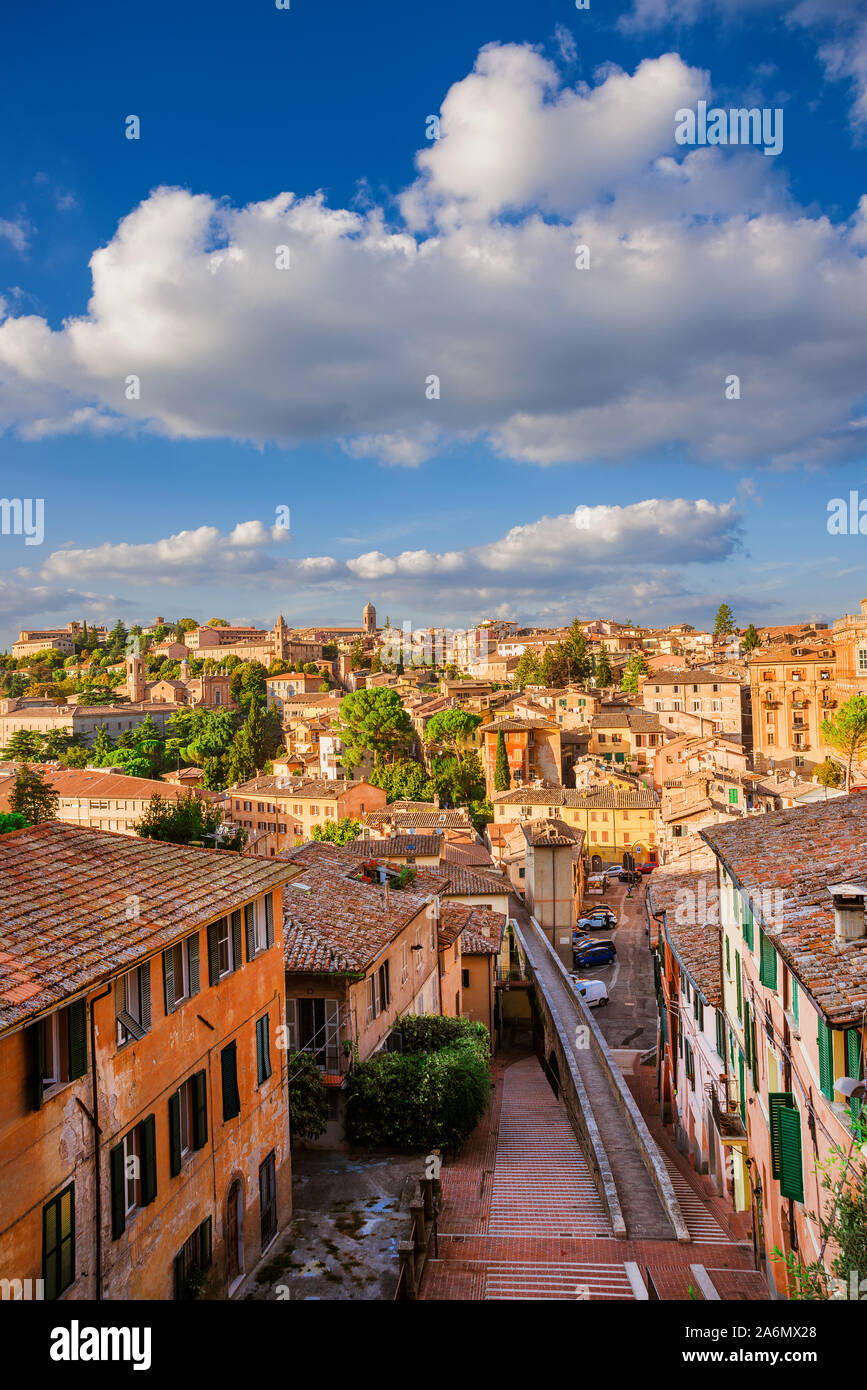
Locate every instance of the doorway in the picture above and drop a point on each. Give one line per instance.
(235, 1232)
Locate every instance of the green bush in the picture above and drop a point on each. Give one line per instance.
(308, 1100)
(431, 1095)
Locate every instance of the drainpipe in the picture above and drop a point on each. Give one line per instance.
(96, 1133)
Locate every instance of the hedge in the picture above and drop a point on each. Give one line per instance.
(431, 1095)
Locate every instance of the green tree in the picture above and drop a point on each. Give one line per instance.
(751, 639)
(32, 797)
(829, 773)
(217, 622)
(847, 732)
(103, 744)
(604, 673)
(502, 775)
(186, 820)
(338, 832)
(635, 667)
(403, 780)
(576, 647)
(11, 820)
(724, 622)
(374, 721)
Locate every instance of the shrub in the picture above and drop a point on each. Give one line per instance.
(308, 1101)
(431, 1095)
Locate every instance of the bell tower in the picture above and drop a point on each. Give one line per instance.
(135, 678)
(369, 619)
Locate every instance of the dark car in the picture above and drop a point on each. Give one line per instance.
(587, 956)
(581, 939)
(630, 875)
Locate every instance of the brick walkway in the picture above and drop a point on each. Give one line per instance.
(521, 1218)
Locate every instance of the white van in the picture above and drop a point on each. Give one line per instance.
(593, 992)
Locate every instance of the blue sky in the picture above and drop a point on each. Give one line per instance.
(305, 387)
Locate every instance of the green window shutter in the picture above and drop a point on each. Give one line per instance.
(754, 1054)
(175, 1134)
(767, 962)
(213, 954)
(77, 1023)
(777, 1101)
(743, 1089)
(169, 980)
(250, 929)
(738, 985)
(229, 1077)
(748, 1035)
(200, 1110)
(263, 1050)
(148, 1134)
(791, 1165)
(193, 962)
(854, 1049)
(205, 1244)
(796, 1000)
(720, 1034)
(236, 939)
(826, 1060)
(144, 984)
(733, 796)
(728, 958)
(118, 1192)
(747, 925)
(269, 919)
(37, 1062)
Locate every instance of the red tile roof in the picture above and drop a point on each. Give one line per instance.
(65, 897)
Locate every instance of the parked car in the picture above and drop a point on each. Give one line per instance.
(593, 992)
(647, 868)
(581, 939)
(601, 953)
(630, 875)
(599, 917)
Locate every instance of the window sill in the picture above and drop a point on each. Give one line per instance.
(55, 1087)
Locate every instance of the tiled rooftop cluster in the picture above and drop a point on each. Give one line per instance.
(800, 852)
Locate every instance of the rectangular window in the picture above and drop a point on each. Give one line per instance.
(313, 1025)
(268, 1198)
(192, 1260)
(720, 1034)
(404, 963)
(181, 972)
(229, 1078)
(738, 985)
(826, 1059)
(61, 1047)
(224, 947)
(132, 994)
(133, 1174)
(263, 1050)
(465, 979)
(188, 1120)
(795, 999)
(58, 1243)
(384, 989)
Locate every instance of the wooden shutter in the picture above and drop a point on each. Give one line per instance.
(169, 980)
(148, 1143)
(229, 1077)
(237, 958)
(118, 1192)
(777, 1101)
(768, 963)
(193, 962)
(213, 954)
(720, 1034)
(200, 1110)
(738, 986)
(791, 1166)
(269, 919)
(77, 1025)
(144, 985)
(37, 1062)
(250, 928)
(826, 1060)
(175, 1134)
(205, 1244)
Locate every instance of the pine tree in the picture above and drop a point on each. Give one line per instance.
(604, 673)
(751, 639)
(502, 776)
(725, 621)
(32, 797)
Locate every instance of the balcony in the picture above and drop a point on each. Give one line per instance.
(726, 1114)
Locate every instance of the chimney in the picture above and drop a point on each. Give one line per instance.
(849, 919)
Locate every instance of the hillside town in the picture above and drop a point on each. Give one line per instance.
(606, 883)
